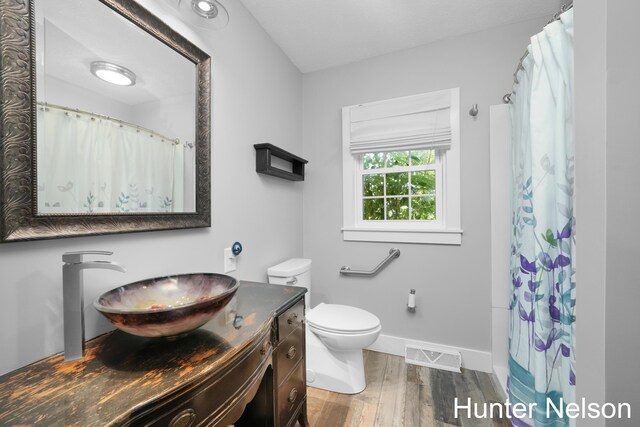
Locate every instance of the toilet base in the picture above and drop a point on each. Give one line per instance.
(337, 371)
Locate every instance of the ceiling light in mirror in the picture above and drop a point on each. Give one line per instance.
(112, 73)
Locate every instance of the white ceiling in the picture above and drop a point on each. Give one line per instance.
(317, 34)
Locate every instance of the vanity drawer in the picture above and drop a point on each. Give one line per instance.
(289, 352)
(291, 394)
(290, 320)
(205, 404)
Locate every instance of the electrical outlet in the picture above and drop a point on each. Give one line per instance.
(230, 262)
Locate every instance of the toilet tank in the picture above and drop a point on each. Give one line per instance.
(293, 272)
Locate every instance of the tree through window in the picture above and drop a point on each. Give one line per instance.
(400, 185)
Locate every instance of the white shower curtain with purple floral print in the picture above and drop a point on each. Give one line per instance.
(541, 333)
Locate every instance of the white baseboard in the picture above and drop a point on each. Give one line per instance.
(471, 359)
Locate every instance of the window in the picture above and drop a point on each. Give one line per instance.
(400, 186)
(402, 170)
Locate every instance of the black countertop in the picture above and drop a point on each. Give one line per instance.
(122, 374)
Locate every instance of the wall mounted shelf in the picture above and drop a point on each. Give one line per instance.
(264, 157)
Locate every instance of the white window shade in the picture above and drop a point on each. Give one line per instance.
(408, 123)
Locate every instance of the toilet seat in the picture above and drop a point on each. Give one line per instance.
(342, 319)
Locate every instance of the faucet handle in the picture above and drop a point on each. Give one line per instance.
(75, 257)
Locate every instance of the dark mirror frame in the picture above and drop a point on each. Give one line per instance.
(18, 210)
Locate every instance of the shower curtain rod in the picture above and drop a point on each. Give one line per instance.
(176, 141)
(507, 97)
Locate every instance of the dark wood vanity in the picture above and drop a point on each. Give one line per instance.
(246, 367)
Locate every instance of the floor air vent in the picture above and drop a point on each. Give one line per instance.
(448, 360)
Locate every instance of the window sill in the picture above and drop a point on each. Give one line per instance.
(435, 237)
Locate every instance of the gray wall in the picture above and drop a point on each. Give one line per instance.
(607, 202)
(623, 208)
(452, 282)
(590, 208)
(250, 76)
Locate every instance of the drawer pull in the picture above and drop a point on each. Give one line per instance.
(185, 418)
(265, 348)
(293, 395)
(293, 317)
(292, 352)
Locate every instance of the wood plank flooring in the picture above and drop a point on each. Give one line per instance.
(402, 395)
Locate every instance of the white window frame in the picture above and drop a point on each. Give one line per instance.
(445, 230)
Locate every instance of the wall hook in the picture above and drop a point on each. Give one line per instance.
(474, 110)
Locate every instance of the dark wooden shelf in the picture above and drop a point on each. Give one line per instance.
(264, 154)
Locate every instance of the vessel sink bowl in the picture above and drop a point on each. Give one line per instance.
(167, 306)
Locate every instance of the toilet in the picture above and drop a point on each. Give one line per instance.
(335, 334)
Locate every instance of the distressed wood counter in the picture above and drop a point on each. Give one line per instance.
(128, 380)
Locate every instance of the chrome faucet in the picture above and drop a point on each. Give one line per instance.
(73, 298)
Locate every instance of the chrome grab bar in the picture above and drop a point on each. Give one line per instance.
(393, 254)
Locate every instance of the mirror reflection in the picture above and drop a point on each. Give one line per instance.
(115, 115)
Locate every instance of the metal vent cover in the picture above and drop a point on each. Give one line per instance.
(448, 360)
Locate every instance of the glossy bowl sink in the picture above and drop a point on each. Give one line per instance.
(167, 306)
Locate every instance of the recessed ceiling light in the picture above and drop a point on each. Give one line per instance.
(112, 73)
(207, 14)
(204, 8)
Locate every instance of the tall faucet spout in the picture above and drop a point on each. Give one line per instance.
(73, 298)
(105, 265)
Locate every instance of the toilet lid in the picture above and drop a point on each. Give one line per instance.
(341, 318)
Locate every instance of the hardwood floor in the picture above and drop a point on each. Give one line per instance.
(400, 395)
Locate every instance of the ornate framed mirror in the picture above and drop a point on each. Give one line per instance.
(105, 115)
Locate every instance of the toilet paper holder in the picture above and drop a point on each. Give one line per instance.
(411, 303)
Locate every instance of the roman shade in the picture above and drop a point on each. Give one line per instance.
(408, 123)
